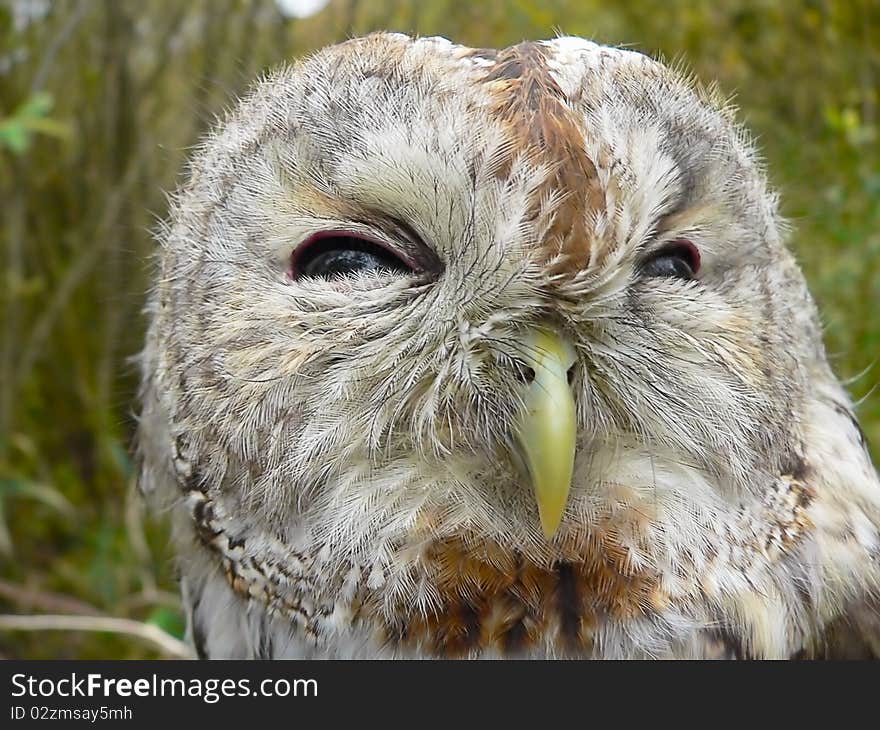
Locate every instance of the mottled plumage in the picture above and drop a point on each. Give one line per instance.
(346, 458)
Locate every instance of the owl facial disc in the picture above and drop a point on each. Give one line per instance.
(546, 434)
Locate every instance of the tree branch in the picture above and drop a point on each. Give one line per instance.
(166, 643)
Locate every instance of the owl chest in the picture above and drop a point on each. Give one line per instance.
(454, 604)
(456, 597)
(539, 614)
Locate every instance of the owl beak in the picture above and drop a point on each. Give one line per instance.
(547, 431)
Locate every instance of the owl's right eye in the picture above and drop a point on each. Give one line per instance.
(332, 254)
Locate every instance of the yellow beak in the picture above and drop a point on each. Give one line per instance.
(547, 432)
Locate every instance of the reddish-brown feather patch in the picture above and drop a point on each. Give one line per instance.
(492, 599)
(529, 101)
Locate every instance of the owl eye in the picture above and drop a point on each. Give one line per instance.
(331, 254)
(679, 259)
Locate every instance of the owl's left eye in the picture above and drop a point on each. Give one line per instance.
(333, 254)
(679, 260)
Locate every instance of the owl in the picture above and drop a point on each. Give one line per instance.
(470, 353)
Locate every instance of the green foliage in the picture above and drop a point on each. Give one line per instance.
(168, 620)
(30, 118)
(23, 488)
(100, 102)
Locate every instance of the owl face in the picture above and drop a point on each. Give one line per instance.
(534, 299)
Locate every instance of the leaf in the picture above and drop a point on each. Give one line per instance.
(14, 136)
(5, 537)
(39, 105)
(28, 119)
(38, 491)
(168, 620)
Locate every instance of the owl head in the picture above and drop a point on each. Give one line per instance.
(533, 302)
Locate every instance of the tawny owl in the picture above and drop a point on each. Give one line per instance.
(477, 353)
